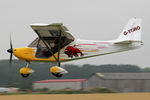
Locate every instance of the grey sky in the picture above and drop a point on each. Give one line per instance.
(86, 19)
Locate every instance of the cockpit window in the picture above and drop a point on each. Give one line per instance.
(53, 43)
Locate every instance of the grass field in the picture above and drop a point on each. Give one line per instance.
(114, 96)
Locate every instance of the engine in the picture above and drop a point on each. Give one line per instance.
(58, 71)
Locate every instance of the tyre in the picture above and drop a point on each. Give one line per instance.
(25, 75)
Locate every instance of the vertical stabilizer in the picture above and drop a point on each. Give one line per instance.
(132, 31)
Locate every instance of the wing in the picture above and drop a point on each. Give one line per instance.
(51, 36)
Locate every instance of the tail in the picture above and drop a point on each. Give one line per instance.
(132, 31)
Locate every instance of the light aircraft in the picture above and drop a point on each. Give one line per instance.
(55, 44)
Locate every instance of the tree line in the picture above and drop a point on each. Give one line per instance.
(10, 76)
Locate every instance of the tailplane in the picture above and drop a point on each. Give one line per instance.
(132, 31)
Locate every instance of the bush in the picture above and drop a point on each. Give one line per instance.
(41, 90)
(102, 90)
(67, 92)
(94, 90)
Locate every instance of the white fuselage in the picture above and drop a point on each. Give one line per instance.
(91, 48)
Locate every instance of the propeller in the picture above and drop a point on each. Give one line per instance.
(10, 50)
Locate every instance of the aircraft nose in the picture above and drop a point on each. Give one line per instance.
(10, 50)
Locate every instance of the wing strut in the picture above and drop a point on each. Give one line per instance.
(59, 41)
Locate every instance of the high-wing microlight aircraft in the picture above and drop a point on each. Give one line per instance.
(55, 44)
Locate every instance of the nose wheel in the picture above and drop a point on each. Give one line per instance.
(26, 71)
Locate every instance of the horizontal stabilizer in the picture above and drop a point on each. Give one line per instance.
(128, 42)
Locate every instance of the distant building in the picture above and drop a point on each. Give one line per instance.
(74, 84)
(121, 82)
(8, 90)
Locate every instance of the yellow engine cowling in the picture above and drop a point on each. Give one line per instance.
(26, 70)
(56, 69)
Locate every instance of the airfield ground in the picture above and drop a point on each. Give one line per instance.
(114, 96)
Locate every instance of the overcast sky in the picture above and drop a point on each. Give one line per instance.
(86, 19)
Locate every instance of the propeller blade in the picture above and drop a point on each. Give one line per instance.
(11, 43)
(10, 57)
(10, 50)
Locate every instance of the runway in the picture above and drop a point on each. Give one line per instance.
(114, 96)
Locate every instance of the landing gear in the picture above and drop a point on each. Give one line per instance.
(58, 75)
(26, 71)
(24, 75)
(58, 71)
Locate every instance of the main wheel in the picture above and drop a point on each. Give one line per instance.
(58, 75)
(25, 75)
(57, 71)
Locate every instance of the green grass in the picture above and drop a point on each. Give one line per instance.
(64, 91)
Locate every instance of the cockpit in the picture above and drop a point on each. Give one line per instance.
(54, 42)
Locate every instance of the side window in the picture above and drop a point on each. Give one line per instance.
(42, 51)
